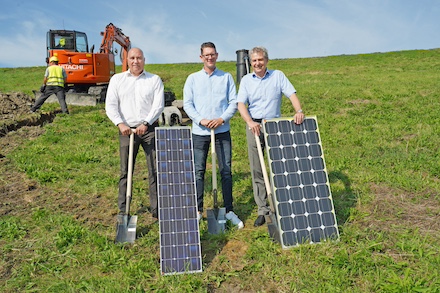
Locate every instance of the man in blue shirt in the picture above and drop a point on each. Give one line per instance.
(259, 97)
(209, 99)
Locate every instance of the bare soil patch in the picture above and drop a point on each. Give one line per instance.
(393, 210)
(17, 126)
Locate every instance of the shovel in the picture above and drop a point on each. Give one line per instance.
(126, 224)
(271, 220)
(217, 216)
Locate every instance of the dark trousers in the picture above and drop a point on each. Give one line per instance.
(223, 151)
(147, 141)
(51, 90)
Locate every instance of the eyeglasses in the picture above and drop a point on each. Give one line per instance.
(210, 55)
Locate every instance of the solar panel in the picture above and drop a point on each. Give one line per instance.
(301, 190)
(180, 249)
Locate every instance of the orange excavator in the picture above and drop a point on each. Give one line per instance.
(88, 73)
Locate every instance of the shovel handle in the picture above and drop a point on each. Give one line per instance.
(129, 173)
(263, 169)
(214, 169)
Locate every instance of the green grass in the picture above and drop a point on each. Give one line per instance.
(379, 123)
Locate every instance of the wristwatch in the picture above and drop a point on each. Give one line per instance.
(145, 123)
(299, 111)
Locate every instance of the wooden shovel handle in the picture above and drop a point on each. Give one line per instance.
(263, 169)
(214, 169)
(129, 173)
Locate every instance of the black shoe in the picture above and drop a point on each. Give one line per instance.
(154, 214)
(259, 221)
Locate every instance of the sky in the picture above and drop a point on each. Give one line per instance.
(171, 31)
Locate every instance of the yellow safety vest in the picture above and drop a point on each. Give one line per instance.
(55, 77)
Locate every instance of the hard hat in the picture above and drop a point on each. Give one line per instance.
(53, 59)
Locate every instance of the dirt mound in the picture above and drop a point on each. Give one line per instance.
(15, 113)
(13, 105)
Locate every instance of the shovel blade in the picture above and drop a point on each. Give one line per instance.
(272, 226)
(126, 229)
(216, 220)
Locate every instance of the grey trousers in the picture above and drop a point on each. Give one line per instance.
(51, 90)
(147, 141)
(260, 194)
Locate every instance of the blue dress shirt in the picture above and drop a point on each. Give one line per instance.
(209, 96)
(263, 95)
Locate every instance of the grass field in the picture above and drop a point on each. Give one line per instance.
(379, 122)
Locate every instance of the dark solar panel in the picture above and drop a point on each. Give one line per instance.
(180, 249)
(301, 190)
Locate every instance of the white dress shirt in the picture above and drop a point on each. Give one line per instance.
(133, 99)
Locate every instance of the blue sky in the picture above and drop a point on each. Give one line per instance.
(171, 31)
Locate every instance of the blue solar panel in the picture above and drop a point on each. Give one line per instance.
(301, 190)
(180, 249)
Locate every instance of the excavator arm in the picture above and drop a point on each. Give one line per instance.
(115, 34)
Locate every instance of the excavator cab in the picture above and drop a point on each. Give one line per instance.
(67, 40)
(84, 69)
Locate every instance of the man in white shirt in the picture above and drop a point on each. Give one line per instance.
(134, 102)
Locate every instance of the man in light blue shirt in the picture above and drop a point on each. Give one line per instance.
(209, 99)
(259, 97)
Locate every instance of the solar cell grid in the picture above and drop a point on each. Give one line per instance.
(302, 196)
(180, 249)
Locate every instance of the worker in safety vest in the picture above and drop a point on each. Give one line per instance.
(61, 44)
(53, 83)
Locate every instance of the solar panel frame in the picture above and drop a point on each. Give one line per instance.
(300, 187)
(180, 248)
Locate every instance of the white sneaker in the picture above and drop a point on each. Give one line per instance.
(199, 216)
(231, 216)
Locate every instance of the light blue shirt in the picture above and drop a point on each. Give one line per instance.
(209, 96)
(263, 95)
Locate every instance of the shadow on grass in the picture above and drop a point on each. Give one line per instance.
(344, 199)
(148, 222)
(144, 229)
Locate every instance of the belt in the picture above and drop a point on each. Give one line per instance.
(257, 120)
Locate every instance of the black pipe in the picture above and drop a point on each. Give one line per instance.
(243, 66)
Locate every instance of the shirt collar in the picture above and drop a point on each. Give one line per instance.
(128, 72)
(214, 72)
(267, 73)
